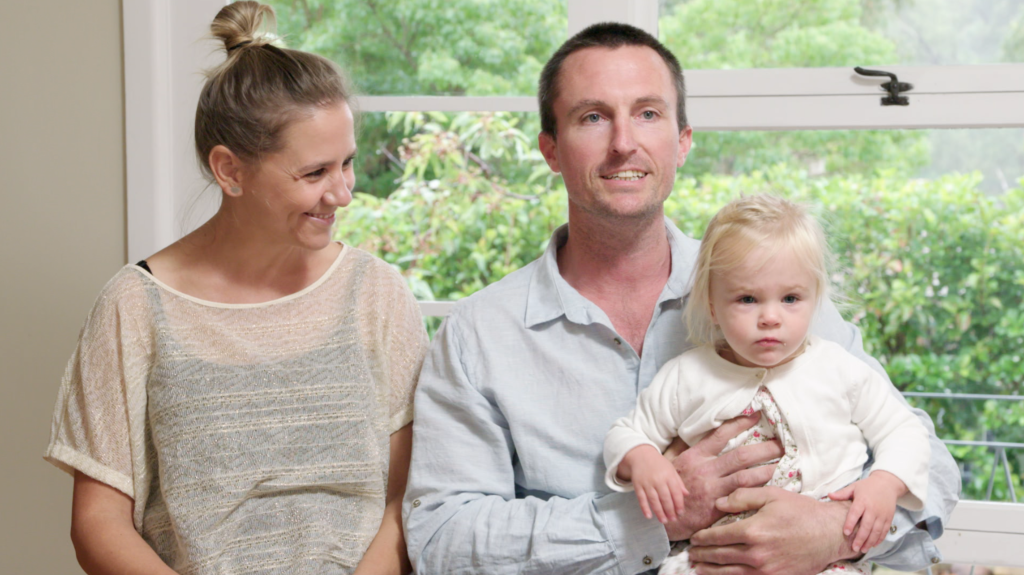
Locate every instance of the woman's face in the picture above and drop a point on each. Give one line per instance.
(293, 193)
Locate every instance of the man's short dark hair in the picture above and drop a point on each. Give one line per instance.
(604, 35)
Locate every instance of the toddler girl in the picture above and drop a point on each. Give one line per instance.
(760, 274)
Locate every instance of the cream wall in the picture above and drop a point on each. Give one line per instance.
(61, 237)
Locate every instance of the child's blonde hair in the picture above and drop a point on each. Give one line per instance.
(743, 225)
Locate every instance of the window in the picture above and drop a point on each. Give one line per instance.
(775, 104)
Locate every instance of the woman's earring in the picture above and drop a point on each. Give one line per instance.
(235, 191)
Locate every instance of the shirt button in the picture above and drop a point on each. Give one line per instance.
(648, 560)
(892, 530)
(415, 502)
(618, 341)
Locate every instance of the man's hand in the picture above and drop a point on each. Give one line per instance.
(790, 534)
(708, 476)
(874, 503)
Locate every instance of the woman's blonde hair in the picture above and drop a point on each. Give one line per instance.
(261, 88)
(743, 225)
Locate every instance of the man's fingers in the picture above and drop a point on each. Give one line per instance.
(730, 534)
(748, 456)
(745, 499)
(711, 569)
(714, 442)
(753, 477)
(719, 554)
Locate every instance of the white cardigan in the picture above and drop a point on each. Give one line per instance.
(836, 407)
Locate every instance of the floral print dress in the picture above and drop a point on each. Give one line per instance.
(787, 476)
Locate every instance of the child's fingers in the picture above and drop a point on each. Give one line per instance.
(642, 498)
(842, 495)
(655, 500)
(856, 510)
(677, 498)
(864, 531)
(667, 502)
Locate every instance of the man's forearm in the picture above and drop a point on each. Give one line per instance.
(586, 534)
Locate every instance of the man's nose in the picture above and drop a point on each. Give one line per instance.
(623, 136)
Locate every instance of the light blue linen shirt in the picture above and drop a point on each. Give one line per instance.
(522, 382)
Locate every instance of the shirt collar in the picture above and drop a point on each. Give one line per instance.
(551, 297)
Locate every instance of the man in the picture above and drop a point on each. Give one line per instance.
(526, 376)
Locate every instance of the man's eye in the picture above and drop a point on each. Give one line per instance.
(593, 118)
(649, 115)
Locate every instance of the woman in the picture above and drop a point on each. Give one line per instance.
(240, 401)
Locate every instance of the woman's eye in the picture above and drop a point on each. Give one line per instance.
(317, 173)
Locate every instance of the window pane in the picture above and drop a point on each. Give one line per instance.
(456, 201)
(425, 47)
(724, 34)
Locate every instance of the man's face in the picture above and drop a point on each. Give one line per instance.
(618, 143)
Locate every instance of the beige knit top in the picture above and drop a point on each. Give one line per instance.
(254, 438)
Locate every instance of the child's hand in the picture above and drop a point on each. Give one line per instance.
(657, 483)
(874, 503)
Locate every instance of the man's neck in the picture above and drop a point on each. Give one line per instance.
(615, 256)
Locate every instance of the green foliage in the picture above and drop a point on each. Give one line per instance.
(424, 47)
(931, 269)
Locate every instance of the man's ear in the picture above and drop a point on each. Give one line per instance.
(685, 143)
(546, 143)
(227, 169)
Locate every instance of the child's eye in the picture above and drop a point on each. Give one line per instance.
(790, 299)
(747, 299)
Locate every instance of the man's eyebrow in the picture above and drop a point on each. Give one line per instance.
(586, 104)
(652, 100)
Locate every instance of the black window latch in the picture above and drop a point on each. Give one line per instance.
(893, 86)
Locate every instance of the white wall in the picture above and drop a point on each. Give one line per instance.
(62, 235)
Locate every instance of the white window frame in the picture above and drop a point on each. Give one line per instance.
(163, 57)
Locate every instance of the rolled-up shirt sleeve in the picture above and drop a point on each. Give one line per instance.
(461, 511)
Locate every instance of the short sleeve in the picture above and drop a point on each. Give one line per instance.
(91, 431)
(406, 345)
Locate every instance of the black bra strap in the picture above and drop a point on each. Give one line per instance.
(142, 264)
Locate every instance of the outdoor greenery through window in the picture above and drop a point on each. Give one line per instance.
(928, 225)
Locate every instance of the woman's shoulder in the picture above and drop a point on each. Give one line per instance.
(128, 286)
(364, 267)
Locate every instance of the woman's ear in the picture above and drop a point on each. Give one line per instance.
(227, 170)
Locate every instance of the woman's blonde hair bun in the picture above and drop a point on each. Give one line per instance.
(245, 24)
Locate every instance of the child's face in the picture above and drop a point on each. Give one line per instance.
(764, 310)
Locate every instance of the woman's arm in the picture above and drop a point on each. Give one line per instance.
(387, 553)
(104, 536)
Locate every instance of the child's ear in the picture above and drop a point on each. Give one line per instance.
(711, 308)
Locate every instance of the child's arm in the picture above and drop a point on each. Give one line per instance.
(104, 536)
(656, 481)
(874, 503)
